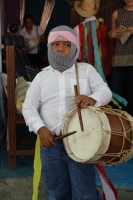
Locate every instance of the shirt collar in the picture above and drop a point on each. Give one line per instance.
(71, 69)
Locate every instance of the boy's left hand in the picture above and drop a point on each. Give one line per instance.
(84, 101)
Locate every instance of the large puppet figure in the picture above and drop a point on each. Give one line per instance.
(95, 46)
(93, 36)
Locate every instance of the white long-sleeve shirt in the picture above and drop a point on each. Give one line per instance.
(51, 94)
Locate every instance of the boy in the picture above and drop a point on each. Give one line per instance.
(48, 100)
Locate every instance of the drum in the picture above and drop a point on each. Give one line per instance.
(107, 138)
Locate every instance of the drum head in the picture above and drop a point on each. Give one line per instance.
(84, 145)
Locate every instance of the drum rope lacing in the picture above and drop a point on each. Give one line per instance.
(123, 153)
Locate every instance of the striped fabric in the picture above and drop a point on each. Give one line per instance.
(87, 47)
(27, 72)
(20, 93)
(94, 39)
(24, 74)
(60, 38)
(31, 72)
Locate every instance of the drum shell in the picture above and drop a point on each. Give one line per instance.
(121, 137)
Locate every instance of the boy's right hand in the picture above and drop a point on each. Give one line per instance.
(46, 137)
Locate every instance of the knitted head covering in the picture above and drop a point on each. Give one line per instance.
(57, 60)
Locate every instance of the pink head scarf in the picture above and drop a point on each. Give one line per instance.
(67, 35)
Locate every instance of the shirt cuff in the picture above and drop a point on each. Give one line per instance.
(97, 99)
(36, 126)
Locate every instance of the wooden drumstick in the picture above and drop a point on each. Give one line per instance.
(63, 136)
(79, 110)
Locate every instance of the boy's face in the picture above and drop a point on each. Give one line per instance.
(62, 47)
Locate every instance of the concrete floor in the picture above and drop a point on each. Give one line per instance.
(21, 188)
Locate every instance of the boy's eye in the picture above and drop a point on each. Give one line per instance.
(68, 45)
(54, 44)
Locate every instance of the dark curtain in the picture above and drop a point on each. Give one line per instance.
(11, 12)
(35, 9)
(60, 15)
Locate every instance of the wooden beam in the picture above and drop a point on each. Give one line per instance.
(25, 152)
(10, 58)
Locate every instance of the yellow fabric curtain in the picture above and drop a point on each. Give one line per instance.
(47, 11)
(22, 10)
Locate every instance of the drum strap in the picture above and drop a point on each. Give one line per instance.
(77, 77)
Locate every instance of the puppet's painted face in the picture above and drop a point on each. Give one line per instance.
(62, 47)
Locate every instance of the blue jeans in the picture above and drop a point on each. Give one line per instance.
(66, 179)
